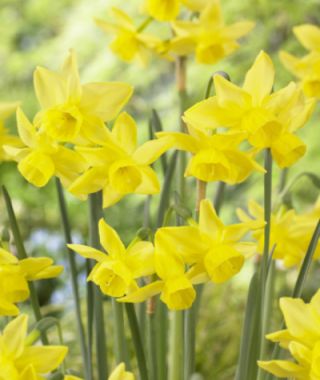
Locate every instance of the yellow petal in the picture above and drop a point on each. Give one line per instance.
(110, 240)
(14, 335)
(140, 258)
(105, 100)
(50, 87)
(209, 222)
(88, 252)
(150, 151)
(43, 359)
(110, 196)
(37, 168)
(7, 258)
(259, 79)
(125, 176)
(290, 62)
(284, 369)
(29, 373)
(71, 73)
(181, 141)
(230, 95)
(149, 181)
(143, 293)
(308, 35)
(163, 10)
(33, 265)
(287, 150)
(238, 29)
(120, 373)
(91, 181)
(7, 108)
(178, 293)
(26, 130)
(125, 132)
(168, 264)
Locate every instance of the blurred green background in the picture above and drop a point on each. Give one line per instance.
(40, 32)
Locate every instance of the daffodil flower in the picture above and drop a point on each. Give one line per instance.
(119, 373)
(39, 158)
(22, 361)
(307, 67)
(215, 157)
(72, 112)
(118, 166)
(14, 277)
(269, 119)
(6, 109)
(130, 43)
(117, 270)
(290, 233)
(301, 338)
(208, 37)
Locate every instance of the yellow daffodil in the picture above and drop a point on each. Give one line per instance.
(6, 109)
(72, 112)
(130, 42)
(14, 277)
(118, 166)
(269, 119)
(119, 373)
(116, 272)
(290, 233)
(19, 360)
(301, 338)
(40, 157)
(307, 68)
(215, 157)
(208, 36)
(210, 249)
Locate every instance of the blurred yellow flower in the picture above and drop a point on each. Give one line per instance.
(118, 166)
(301, 338)
(269, 119)
(20, 360)
(6, 109)
(40, 157)
(208, 36)
(290, 233)
(14, 277)
(215, 157)
(116, 272)
(72, 112)
(119, 373)
(130, 42)
(307, 68)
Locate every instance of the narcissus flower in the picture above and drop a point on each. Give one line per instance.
(208, 36)
(14, 277)
(130, 42)
(19, 360)
(290, 233)
(211, 251)
(117, 270)
(301, 338)
(118, 166)
(40, 157)
(269, 119)
(6, 109)
(307, 68)
(215, 157)
(72, 112)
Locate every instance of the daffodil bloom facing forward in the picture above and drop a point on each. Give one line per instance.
(40, 157)
(307, 68)
(130, 43)
(6, 109)
(301, 338)
(119, 373)
(14, 277)
(116, 272)
(118, 166)
(208, 37)
(211, 250)
(19, 360)
(270, 120)
(72, 112)
(290, 233)
(215, 157)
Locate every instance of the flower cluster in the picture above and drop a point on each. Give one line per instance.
(307, 67)
(204, 34)
(301, 338)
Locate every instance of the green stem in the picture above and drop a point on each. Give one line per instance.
(176, 344)
(121, 353)
(137, 341)
(152, 348)
(219, 196)
(74, 279)
(145, 23)
(161, 339)
(95, 206)
(22, 254)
